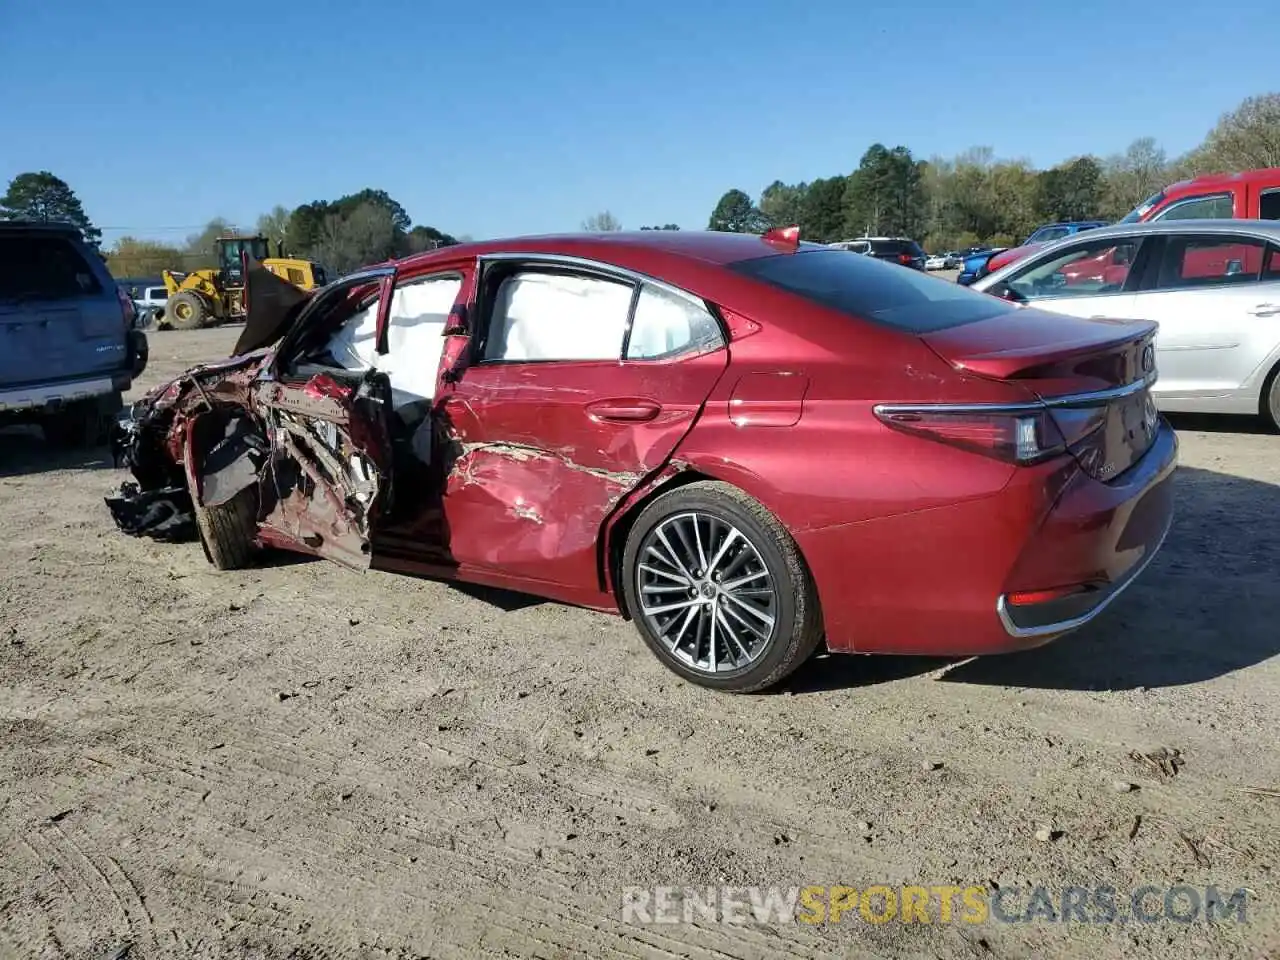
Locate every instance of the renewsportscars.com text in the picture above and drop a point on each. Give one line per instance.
(880, 903)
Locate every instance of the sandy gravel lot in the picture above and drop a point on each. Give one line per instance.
(298, 761)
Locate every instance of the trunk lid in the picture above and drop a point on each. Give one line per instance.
(1094, 376)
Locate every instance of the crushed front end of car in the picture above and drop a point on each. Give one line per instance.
(152, 437)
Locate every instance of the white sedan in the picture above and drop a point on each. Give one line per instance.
(1212, 285)
(936, 262)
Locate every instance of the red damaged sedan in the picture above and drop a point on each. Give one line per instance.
(747, 445)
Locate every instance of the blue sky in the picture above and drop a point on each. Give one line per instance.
(505, 117)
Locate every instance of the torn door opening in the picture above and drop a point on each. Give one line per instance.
(330, 471)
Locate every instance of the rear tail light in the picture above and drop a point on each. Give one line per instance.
(1024, 435)
(127, 308)
(1029, 597)
(904, 259)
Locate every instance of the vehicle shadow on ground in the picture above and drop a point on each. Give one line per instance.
(832, 671)
(1219, 423)
(24, 451)
(1207, 606)
(508, 601)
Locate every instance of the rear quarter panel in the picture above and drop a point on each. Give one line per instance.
(865, 503)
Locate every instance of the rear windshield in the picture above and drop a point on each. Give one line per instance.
(35, 267)
(881, 292)
(893, 246)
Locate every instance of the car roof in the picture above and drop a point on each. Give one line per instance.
(1268, 228)
(623, 247)
(43, 226)
(1224, 179)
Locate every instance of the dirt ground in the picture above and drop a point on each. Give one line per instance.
(299, 761)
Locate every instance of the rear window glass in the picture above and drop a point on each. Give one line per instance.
(880, 292)
(34, 267)
(892, 246)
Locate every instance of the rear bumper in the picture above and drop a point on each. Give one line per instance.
(938, 582)
(1054, 619)
(1098, 537)
(48, 397)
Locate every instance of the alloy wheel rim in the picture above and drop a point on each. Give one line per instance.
(706, 592)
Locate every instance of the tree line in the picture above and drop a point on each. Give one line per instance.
(343, 234)
(976, 198)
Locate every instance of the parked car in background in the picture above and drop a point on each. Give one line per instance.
(975, 263)
(152, 299)
(710, 453)
(937, 261)
(1213, 286)
(900, 250)
(1249, 195)
(977, 267)
(1057, 231)
(68, 341)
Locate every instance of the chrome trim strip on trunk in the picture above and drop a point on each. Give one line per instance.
(1090, 399)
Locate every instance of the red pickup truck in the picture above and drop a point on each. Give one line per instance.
(1251, 195)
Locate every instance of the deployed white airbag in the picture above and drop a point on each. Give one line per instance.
(415, 338)
(544, 316)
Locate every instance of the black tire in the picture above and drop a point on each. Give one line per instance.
(85, 423)
(1271, 400)
(228, 530)
(186, 311)
(796, 627)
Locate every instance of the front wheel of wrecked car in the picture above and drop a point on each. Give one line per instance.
(228, 531)
(718, 589)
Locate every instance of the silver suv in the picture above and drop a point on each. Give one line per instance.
(69, 344)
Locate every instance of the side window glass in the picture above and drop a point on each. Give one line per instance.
(1269, 205)
(1193, 262)
(1201, 208)
(667, 323)
(1082, 271)
(558, 316)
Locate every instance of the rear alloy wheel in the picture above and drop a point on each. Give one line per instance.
(718, 589)
(186, 311)
(1271, 400)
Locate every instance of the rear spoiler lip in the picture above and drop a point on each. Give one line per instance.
(1011, 364)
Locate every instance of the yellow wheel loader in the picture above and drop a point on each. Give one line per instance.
(206, 297)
